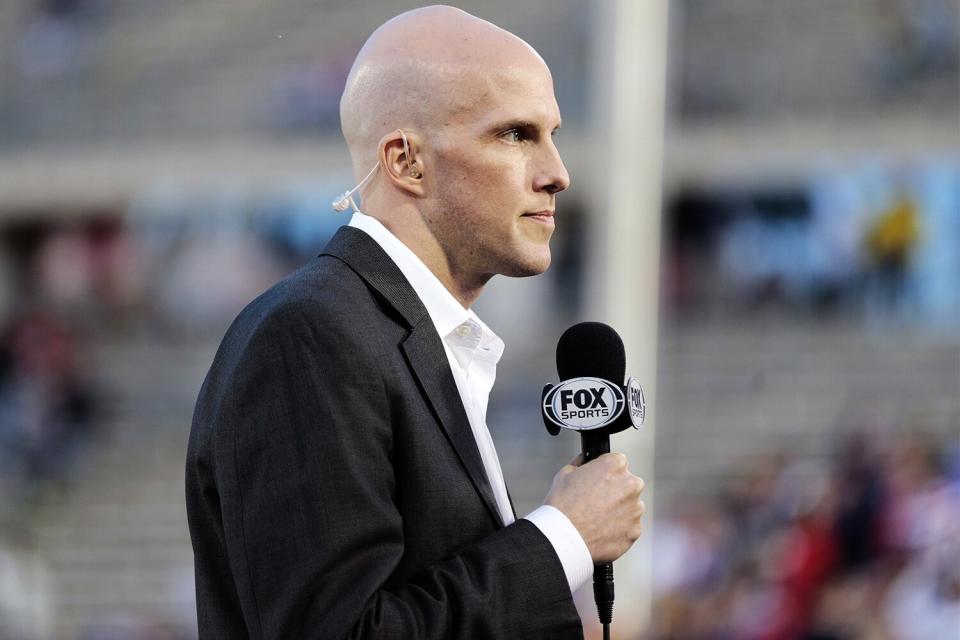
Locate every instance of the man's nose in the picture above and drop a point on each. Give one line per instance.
(553, 176)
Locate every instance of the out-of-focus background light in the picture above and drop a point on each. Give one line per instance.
(161, 163)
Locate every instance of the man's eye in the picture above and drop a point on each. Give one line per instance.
(513, 135)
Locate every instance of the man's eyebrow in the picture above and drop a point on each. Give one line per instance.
(507, 125)
(518, 124)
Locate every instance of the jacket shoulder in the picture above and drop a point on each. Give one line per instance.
(324, 289)
(321, 315)
(322, 301)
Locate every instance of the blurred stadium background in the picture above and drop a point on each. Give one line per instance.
(161, 163)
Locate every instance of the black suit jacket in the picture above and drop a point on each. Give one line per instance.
(334, 487)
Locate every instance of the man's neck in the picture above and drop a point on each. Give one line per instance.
(463, 286)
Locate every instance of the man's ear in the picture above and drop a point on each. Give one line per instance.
(403, 165)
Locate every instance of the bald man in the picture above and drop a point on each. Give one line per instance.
(341, 480)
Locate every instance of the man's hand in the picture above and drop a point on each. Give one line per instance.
(602, 500)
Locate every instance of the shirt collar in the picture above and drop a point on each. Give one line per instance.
(448, 315)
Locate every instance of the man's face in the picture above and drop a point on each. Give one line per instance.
(495, 173)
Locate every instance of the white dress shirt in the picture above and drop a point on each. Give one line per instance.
(473, 351)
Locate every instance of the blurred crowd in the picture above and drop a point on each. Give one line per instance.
(46, 406)
(863, 547)
(61, 281)
(878, 241)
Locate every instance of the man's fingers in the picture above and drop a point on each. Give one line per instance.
(571, 466)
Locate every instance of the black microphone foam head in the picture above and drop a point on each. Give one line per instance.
(591, 349)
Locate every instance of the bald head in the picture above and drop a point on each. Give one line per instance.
(419, 70)
(473, 195)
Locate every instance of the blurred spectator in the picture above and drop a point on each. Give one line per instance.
(891, 241)
(46, 404)
(81, 267)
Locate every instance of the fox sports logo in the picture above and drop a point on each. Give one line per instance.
(582, 404)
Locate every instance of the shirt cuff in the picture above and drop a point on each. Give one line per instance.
(567, 542)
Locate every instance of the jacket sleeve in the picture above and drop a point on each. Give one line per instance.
(303, 468)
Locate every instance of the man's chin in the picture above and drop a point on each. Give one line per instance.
(534, 266)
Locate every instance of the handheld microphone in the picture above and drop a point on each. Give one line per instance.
(590, 399)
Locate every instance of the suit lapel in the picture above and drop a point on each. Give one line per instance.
(422, 348)
(429, 362)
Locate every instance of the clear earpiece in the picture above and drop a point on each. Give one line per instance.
(346, 198)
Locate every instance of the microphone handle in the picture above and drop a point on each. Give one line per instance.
(594, 444)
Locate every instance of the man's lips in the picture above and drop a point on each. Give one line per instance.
(540, 216)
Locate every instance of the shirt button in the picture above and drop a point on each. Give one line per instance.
(463, 331)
